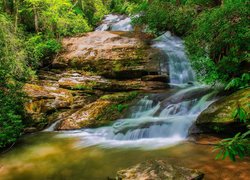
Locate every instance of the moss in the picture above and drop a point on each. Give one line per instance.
(121, 96)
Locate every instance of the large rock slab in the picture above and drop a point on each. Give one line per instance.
(219, 114)
(119, 55)
(158, 170)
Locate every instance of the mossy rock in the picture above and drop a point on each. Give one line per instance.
(101, 112)
(219, 114)
(158, 170)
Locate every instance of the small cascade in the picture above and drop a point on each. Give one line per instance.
(115, 23)
(144, 128)
(180, 69)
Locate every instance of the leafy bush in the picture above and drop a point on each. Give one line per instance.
(54, 17)
(160, 16)
(11, 111)
(239, 83)
(125, 6)
(93, 10)
(13, 68)
(220, 39)
(40, 50)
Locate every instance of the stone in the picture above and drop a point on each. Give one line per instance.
(100, 112)
(160, 78)
(45, 99)
(158, 170)
(116, 55)
(219, 113)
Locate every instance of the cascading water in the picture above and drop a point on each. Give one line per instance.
(179, 67)
(154, 124)
(115, 23)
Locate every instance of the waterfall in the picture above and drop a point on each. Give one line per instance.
(180, 70)
(154, 123)
(115, 23)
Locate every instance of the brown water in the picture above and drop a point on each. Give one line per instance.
(43, 157)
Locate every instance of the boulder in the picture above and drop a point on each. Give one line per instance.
(219, 114)
(104, 110)
(158, 170)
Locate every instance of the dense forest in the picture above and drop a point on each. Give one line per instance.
(216, 35)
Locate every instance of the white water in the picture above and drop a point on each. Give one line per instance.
(115, 23)
(153, 124)
(180, 70)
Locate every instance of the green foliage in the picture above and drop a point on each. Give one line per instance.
(220, 39)
(93, 10)
(118, 107)
(12, 53)
(160, 16)
(55, 17)
(13, 68)
(240, 114)
(239, 83)
(239, 146)
(121, 97)
(11, 111)
(125, 6)
(40, 49)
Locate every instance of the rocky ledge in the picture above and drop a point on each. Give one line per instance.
(218, 117)
(93, 80)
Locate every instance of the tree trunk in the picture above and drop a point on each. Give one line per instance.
(178, 2)
(16, 9)
(36, 19)
(5, 7)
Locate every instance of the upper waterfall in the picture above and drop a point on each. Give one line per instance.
(180, 70)
(113, 22)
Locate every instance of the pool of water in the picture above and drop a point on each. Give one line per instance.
(45, 156)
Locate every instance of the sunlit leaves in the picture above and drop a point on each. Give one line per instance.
(238, 146)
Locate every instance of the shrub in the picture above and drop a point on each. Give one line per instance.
(220, 38)
(40, 49)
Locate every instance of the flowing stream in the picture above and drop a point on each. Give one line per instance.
(156, 128)
(153, 124)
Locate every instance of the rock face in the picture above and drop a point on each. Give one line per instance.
(107, 108)
(118, 55)
(158, 170)
(92, 69)
(219, 114)
(45, 99)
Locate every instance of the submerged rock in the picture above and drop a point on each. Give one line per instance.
(158, 170)
(218, 116)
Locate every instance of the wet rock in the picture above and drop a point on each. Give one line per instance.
(100, 112)
(218, 116)
(45, 99)
(158, 170)
(117, 55)
(30, 130)
(160, 78)
(194, 93)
